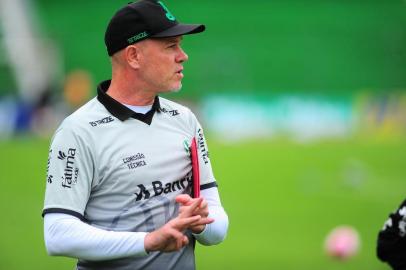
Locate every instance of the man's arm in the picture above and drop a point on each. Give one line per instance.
(207, 234)
(66, 235)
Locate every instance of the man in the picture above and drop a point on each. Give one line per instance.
(119, 168)
(391, 246)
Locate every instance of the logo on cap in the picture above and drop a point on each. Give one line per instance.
(139, 36)
(168, 14)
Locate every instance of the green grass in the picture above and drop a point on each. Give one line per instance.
(282, 198)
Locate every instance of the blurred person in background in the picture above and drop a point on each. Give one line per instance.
(391, 246)
(119, 168)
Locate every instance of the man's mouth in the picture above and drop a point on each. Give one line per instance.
(179, 72)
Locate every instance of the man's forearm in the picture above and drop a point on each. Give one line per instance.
(215, 232)
(66, 235)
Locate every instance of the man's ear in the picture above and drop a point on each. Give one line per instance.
(132, 56)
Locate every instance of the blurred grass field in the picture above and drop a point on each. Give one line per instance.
(282, 199)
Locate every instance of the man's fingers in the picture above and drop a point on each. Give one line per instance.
(204, 204)
(181, 239)
(185, 240)
(203, 221)
(182, 223)
(183, 199)
(181, 242)
(183, 211)
(188, 211)
(175, 234)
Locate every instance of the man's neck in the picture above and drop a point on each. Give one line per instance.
(130, 94)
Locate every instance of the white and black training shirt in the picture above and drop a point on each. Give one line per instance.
(120, 171)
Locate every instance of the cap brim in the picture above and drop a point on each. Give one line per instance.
(181, 29)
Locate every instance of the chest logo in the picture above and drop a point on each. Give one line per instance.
(135, 161)
(159, 188)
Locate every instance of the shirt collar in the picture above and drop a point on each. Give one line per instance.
(119, 110)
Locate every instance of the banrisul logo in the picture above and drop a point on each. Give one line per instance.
(159, 188)
(168, 14)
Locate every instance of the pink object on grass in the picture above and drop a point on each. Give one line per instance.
(342, 242)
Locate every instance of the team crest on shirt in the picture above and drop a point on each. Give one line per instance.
(186, 145)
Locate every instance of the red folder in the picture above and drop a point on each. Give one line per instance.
(195, 169)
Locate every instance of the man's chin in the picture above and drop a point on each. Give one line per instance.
(176, 89)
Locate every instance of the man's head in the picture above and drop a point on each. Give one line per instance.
(145, 38)
(141, 20)
(157, 63)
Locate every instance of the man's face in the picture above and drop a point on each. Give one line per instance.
(161, 63)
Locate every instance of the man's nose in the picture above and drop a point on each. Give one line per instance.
(182, 56)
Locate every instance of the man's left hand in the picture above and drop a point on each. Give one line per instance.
(202, 210)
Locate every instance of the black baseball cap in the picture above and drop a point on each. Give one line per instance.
(144, 19)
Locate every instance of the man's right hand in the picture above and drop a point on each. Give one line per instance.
(170, 237)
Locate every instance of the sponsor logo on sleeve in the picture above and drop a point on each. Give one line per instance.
(105, 120)
(61, 155)
(202, 146)
(71, 173)
(135, 161)
(49, 177)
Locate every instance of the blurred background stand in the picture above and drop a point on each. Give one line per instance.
(32, 59)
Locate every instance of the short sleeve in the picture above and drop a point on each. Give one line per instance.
(69, 172)
(207, 179)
